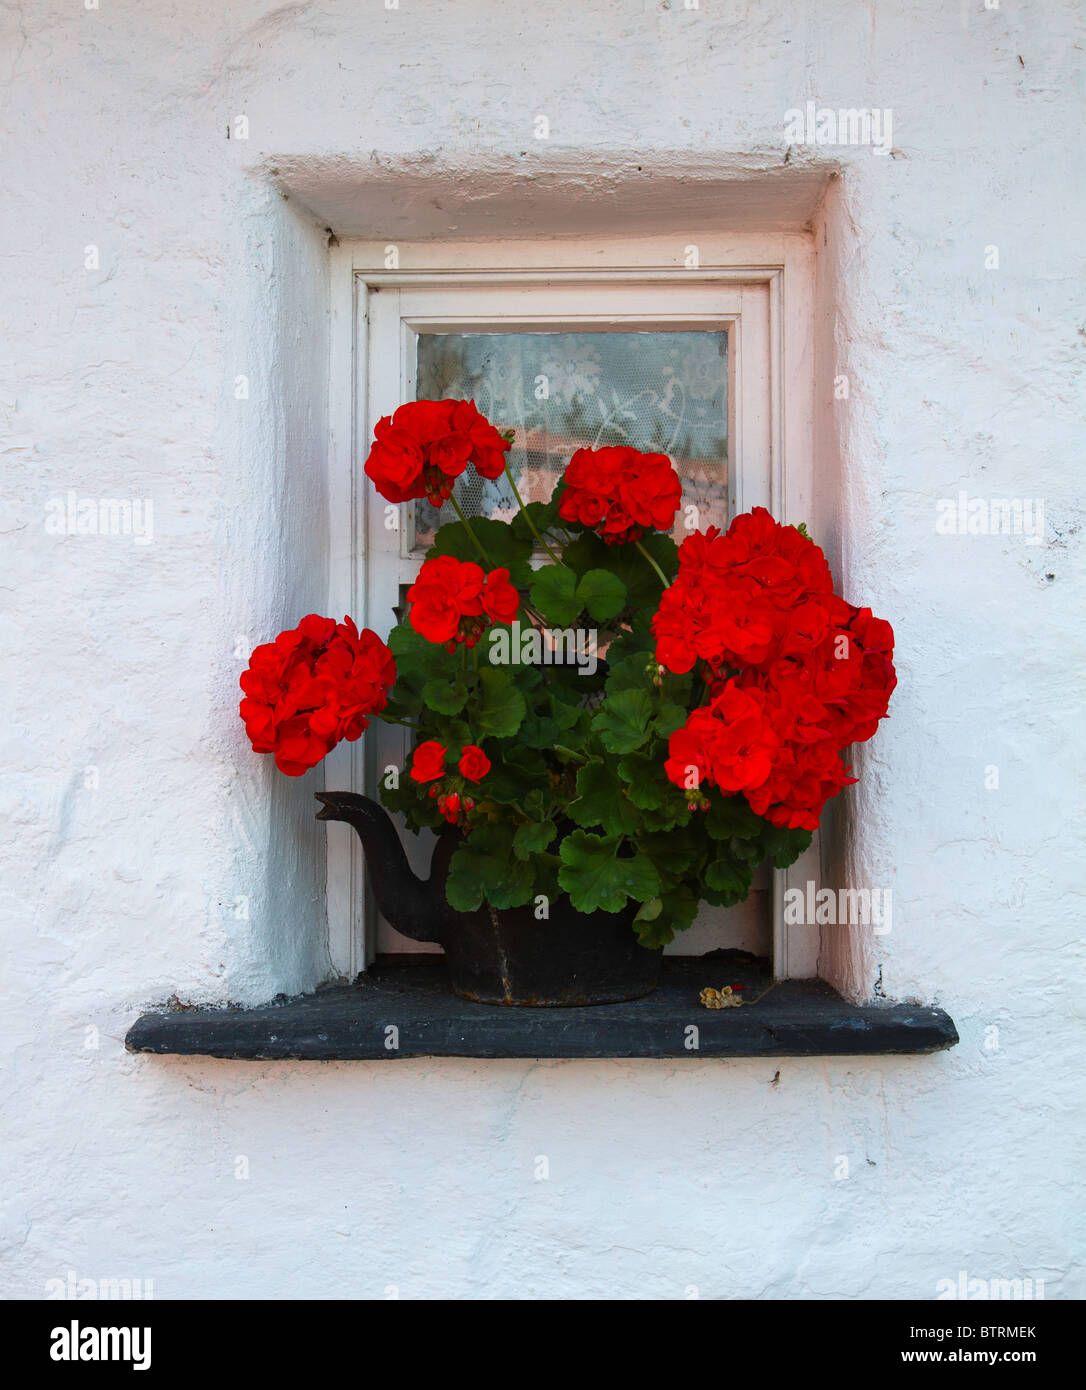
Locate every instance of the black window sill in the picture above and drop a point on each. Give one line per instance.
(797, 1018)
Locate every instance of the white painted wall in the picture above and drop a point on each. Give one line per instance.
(120, 383)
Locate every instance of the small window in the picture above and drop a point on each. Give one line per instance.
(683, 363)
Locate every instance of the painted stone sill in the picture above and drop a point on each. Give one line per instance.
(404, 1008)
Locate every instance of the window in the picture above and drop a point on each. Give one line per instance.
(687, 362)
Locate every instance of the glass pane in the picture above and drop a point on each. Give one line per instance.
(659, 392)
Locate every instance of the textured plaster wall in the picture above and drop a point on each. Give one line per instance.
(147, 851)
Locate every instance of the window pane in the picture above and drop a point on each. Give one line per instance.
(659, 392)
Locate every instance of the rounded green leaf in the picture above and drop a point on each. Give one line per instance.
(484, 868)
(598, 880)
(502, 707)
(623, 722)
(602, 593)
(600, 801)
(553, 593)
(534, 837)
(444, 696)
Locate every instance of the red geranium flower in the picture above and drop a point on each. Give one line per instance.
(619, 492)
(314, 685)
(428, 763)
(730, 743)
(453, 600)
(499, 598)
(795, 673)
(421, 449)
(474, 763)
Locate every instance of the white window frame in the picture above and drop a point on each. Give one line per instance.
(766, 307)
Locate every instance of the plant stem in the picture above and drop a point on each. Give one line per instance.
(531, 524)
(560, 748)
(763, 993)
(467, 527)
(652, 562)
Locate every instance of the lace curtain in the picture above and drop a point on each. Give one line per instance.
(659, 392)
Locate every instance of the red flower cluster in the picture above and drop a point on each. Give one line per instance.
(454, 600)
(796, 673)
(620, 492)
(428, 765)
(424, 447)
(313, 686)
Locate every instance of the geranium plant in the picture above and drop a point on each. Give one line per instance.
(595, 711)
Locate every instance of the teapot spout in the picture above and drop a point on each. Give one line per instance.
(416, 908)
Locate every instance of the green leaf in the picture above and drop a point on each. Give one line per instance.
(669, 718)
(674, 812)
(501, 707)
(726, 882)
(675, 852)
(678, 908)
(601, 801)
(535, 837)
(602, 593)
(648, 783)
(785, 846)
(418, 663)
(464, 885)
(537, 732)
(630, 672)
(529, 763)
(746, 851)
(732, 816)
(597, 880)
(654, 935)
(622, 723)
(648, 912)
(642, 583)
(518, 777)
(414, 654)
(553, 593)
(588, 552)
(447, 697)
(504, 785)
(681, 907)
(485, 868)
(566, 716)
